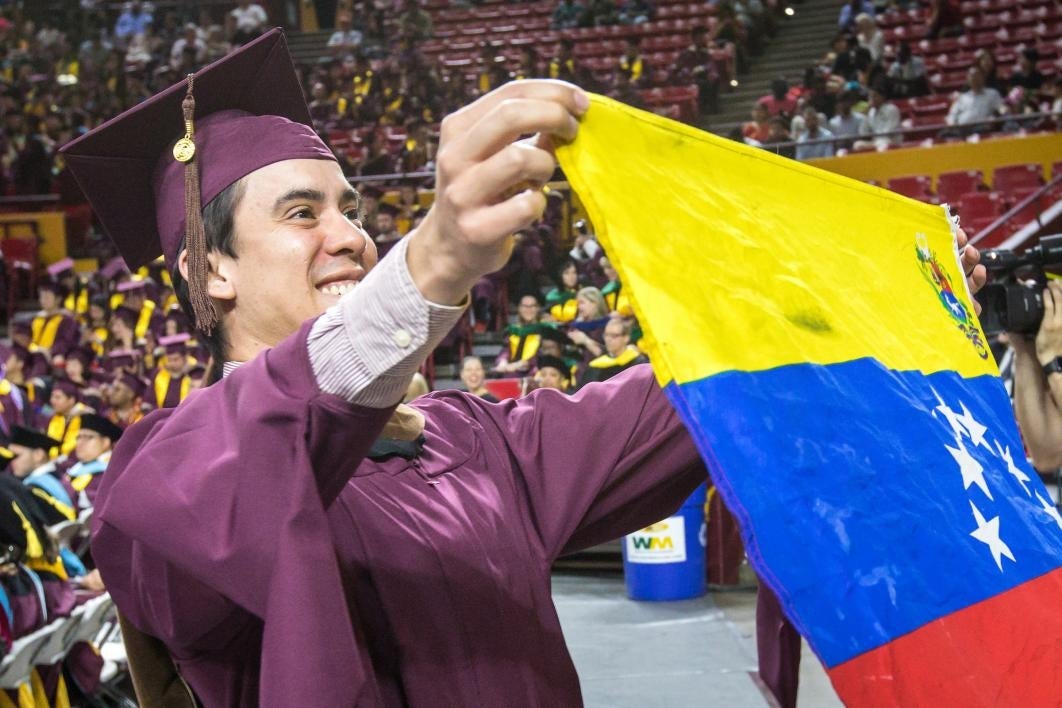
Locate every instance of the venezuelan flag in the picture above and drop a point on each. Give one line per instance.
(817, 338)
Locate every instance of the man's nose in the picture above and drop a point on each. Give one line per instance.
(344, 238)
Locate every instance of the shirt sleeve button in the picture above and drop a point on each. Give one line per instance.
(403, 338)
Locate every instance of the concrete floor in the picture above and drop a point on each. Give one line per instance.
(666, 654)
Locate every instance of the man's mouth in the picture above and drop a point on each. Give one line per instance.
(337, 287)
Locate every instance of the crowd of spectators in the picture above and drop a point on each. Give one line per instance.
(847, 100)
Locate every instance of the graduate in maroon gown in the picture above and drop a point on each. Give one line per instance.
(95, 441)
(170, 384)
(245, 528)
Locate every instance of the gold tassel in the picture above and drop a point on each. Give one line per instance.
(195, 234)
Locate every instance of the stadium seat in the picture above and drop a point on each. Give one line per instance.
(951, 186)
(1011, 177)
(979, 209)
(915, 187)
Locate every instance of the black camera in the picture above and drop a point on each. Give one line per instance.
(1013, 300)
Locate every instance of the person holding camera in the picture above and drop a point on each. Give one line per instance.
(1037, 371)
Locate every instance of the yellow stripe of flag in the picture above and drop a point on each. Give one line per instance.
(739, 259)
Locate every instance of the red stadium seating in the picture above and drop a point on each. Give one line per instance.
(915, 187)
(951, 186)
(1012, 177)
(979, 209)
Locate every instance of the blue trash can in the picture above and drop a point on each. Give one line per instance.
(665, 561)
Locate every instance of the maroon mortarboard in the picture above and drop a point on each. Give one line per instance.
(174, 314)
(52, 286)
(59, 267)
(135, 383)
(85, 356)
(122, 357)
(237, 115)
(67, 386)
(113, 268)
(126, 314)
(175, 344)
(131, 285)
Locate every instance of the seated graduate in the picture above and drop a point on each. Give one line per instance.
(560, 301)
(33, 466)
(522, 339)
(95, 440)
(171, 382)
(288, 522)
(553, 372)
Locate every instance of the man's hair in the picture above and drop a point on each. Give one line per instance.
(219, 222)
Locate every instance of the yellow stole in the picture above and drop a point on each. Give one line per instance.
(81, 305)
(565, 311)
(44, 329)
(162, 385)
(116, 300)
(531, 342)
(145, 319)
(605, 361)
(65, 430)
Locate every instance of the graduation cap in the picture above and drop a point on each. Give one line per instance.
(122, 357)
(52, 286)
(33, 439)
(553, 334)
(99, 424)
(149, 172)
(85, 356)
(133, 285)
(175, 315)
(544, 361)
(68, 387)
(113, 268)
(135, 383)
(386, 208)
(175, 344)
(127, 315)
(61, 267)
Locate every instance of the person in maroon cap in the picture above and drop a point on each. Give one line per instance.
(124, 397)
(53, 331)
(134, 298)
(289, 533)
(122, 326)
(66, 410)
(171, 383)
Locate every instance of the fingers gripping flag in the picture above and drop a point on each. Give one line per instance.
(818, 340)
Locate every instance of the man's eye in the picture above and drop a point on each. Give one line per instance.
(303, 213)
(354, 215)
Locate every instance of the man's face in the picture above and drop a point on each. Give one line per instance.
(175, 362)
(811, 120)
(385, 223)
(616, 340)
(548, 377)
(977, 79)
(547, 347)
(61, 403)
(570, 277)
(119, 394)
(25, 461)
(472, 374)
(300, 248)
(90, 445)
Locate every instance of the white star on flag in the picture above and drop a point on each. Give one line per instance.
(972, 470)
(1050, 508)
(951, 416)
(975, 429)
(1013, 468)
(987, 532)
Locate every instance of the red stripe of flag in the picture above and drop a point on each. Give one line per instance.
(1003, 651)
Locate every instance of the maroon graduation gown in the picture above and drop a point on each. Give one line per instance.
(427, 583)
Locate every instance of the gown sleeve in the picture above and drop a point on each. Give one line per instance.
(230, 490)
(607, 461)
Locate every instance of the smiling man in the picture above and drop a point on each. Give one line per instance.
(290, 535)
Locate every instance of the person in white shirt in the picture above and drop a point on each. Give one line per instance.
(248, 21)
(808, 144)
(869, 36)
(882, 119)
(190, 40)
(976, 105)
(845, 123)
(345, 39)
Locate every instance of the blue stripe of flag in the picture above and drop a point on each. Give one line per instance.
(852, 505)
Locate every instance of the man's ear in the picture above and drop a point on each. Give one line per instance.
(220, 285)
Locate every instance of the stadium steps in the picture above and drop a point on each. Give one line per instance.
(308, 47)
(801, 41)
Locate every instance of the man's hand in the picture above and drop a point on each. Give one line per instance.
(976, 275)
(488, 182)
(1049, 338)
